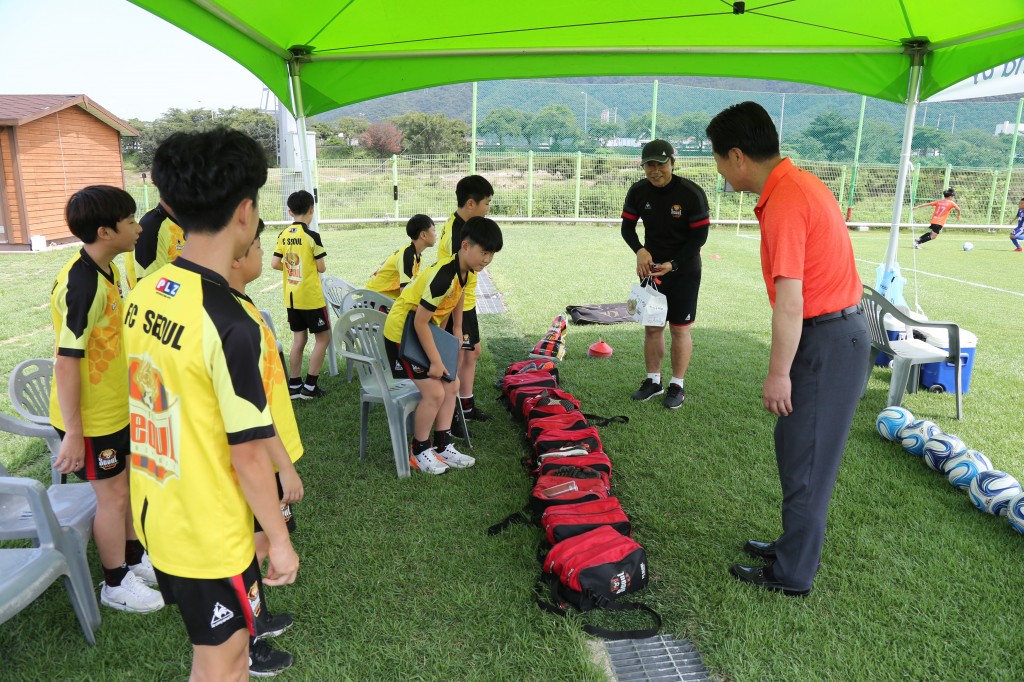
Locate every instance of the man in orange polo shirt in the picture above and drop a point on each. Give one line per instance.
(819, 350)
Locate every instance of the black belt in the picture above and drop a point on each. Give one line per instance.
(828, 317)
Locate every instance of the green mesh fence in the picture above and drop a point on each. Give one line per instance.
(570, 151)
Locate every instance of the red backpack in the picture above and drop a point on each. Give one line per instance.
(550, 402)
(570, 520)
(555, 439)
(566, 420)
(598, 461)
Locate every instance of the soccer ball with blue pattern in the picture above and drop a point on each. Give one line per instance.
(891, 421)
(1015, 513)
(963, 469)
(991, 491)
(941, 448)
(915, 434)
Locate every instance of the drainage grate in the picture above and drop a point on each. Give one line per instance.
(488, 300)
(656, 658)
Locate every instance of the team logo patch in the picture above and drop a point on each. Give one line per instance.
(676, 211)
(221, 615)
(167, 287)
(286, 512)
(154, 421)
(620, 582)
(647, 206)
(107, 459)
(254, 599)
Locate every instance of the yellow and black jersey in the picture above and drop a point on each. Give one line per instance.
(195, 388)
(299, 248)
(437, 289)
(451, 234)
(87, 307)
(161, 242)
(395, 272)
(274, 384)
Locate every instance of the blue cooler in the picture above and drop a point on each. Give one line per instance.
(896, 331)
(943, 374)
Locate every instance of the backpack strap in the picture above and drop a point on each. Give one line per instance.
(523, 517)
(547, 597)
(598, 420)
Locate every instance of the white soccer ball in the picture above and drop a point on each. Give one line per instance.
(915, 434)
(1015, 513)
(991, 491)
(941, 448)
(964, 468)
(891, 421)
(968, 246)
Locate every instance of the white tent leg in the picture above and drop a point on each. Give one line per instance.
(300, 123)
(888, 272)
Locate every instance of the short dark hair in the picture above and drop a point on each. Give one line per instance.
(204, 176)
(96, 206)
(300, 202)
(949, 193)
(747, 127)
(417, 224)
(260, 226)
(475, 187)
(483, 232)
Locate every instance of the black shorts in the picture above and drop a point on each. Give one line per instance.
(286, 509)
(403, 369)
(105, 456)
(214, 609)
(681, 289)
(315, 320)
(936, 228)
(470, 328)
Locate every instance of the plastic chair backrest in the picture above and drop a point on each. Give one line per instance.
(362, 331)
(29, 389)
(335, 290)
(366, 298)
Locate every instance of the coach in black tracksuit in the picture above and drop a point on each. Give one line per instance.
(674, 211)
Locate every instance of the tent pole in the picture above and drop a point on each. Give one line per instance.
(916, 62)
(294, 66)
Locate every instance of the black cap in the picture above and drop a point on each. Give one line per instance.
(657, 150)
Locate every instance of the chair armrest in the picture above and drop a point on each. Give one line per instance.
(20, 427)
(42, 513)
(355, 357)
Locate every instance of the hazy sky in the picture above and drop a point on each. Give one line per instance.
(129, 61)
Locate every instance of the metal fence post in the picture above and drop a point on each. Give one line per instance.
(1009, 164)
(394, 180)
(842, 188)
(719, 186)
(856, 159)
(913, 188)
(529, 184)
(945, 178)
(992, 196)
(472, 149)
(654, 112)
(579, 174)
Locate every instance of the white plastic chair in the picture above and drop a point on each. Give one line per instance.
(366, 298)
(909, 353)
(29, 390)
(280, 349)
(74, 507)
(360, 338)
(26, 573)
(335, 290)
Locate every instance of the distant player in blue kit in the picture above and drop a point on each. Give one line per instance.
(1017, 233)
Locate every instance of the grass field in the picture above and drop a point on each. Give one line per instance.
(400, 582)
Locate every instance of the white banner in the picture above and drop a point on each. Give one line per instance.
(1004, 79)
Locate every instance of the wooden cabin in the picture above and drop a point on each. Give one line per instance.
(51, 146)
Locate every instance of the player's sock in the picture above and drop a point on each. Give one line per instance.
(1016, 242)
(133, 551)
(467, 403)
(113, 576)
(419, 446)
(677, 381)
(442, 439)
(311, 380)
(655, 377)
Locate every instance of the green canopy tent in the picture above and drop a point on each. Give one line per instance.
(320, 55)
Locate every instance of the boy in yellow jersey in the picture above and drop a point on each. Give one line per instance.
(402, 266)
(286, 448)
(200, 423)
(161, 241)
(438, 295)
(300, 257)
(473, 194)
(90, 380)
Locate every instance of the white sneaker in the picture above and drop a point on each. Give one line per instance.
(455, 459)
(144, 570)
(428, 463)
(131, 595)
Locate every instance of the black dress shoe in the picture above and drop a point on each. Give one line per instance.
(760, 550)
(761, 576)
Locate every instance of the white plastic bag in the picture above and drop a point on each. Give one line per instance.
(647, 305)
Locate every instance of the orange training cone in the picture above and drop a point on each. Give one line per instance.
(600, 349)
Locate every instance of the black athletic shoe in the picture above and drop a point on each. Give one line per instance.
(458, 427)
(476, 415)
(675, 396)
(648, 389)
(295, 392)
(307, 394)
(266, 661)
(269, 625)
